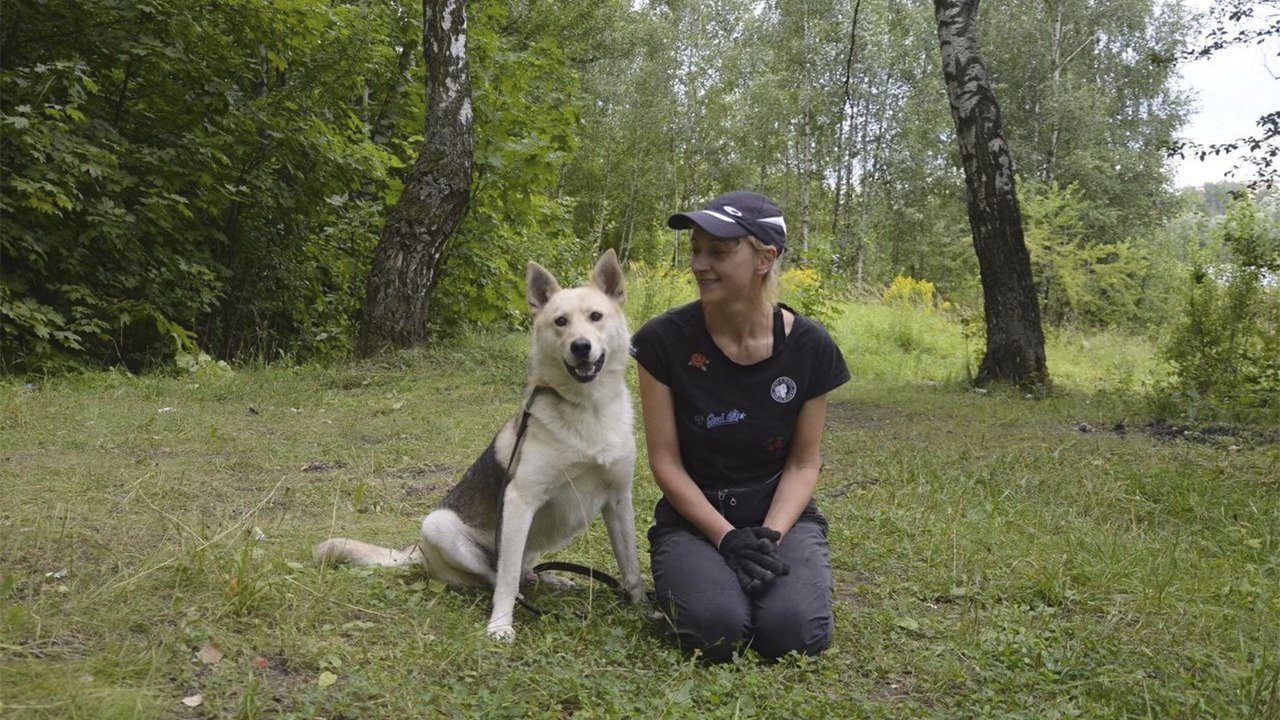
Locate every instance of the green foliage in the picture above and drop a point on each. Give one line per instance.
(209, 176)
(1080, 279)
(654, 289)
(182, 179)
(526, 83)
(804, 289)
(524, 94)
(1225, 351)
(919, 294)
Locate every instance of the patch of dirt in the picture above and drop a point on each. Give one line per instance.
(321, 466)
(1217, 434)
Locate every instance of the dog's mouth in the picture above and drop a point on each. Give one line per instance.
(585, 371)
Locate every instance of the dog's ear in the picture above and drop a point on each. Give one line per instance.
(607, 276)
(540, 285)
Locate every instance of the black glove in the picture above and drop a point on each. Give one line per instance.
(752, 554)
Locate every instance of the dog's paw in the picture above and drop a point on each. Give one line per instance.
(555, 582)
(503, 633)
(634, 593)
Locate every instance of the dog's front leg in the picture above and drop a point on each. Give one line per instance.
(619, 520)
(517, 517)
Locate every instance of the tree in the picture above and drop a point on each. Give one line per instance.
(1088, 98)
(1015, 340)
(180, 180)
(1232, 23)
(407, 263)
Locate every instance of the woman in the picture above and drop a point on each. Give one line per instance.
(733, 391)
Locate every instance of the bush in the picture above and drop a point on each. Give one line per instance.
(176, 181)
(652, 289)
(803, 289)
(910, 292)
(1225, 352)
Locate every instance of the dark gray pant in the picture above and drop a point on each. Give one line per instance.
(707, 610)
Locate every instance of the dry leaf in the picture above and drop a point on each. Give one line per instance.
(326, 679)
(193, 700)
(261, 662)
(210, 654)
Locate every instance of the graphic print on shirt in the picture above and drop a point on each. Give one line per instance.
(711, 421)
(783, 390)
(699, 361)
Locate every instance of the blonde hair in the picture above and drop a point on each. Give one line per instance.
(770, 290)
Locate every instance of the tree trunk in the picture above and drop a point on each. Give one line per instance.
(407, 262)
(1015, 339)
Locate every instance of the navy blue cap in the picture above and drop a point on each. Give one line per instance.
(737, 214)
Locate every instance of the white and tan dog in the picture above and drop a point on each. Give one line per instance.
(574, 462)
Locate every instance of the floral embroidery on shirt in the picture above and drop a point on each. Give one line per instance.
(699, 361)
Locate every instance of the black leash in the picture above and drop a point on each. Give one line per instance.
(511, 465)
(583, 570)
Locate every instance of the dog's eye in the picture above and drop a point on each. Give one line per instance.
(595, 316)
(562, 321)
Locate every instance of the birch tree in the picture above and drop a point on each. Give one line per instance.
(1015, 339)
(407, 263)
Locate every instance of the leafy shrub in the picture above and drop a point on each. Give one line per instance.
(910, 292)
(802, 288)
(1225, 352)
(176, 181)
(652, 289)
(1081, 280)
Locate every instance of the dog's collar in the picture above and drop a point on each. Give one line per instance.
(528, 406)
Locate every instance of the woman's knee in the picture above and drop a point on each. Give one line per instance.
(782, 628)
(713, 622)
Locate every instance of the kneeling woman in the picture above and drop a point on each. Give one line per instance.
(733, 389)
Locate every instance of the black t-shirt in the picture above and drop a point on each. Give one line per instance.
(735, 422)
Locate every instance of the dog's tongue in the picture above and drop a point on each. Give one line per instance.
(586, 370)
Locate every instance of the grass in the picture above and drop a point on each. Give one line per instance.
(992, 559)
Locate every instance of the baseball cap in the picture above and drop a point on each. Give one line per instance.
(735, 214)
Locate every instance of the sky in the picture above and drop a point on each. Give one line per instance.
(1235, 87)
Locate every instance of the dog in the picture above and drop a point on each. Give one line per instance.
(529, 495)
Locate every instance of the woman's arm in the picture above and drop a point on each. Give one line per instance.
(800, 474)
(659, 413)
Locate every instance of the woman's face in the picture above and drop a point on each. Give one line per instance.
(724, 268)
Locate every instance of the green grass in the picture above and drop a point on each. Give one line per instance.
(991, 559)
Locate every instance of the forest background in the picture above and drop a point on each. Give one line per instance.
(190, 199)
(200, 183)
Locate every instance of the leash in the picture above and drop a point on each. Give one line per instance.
(584, 570)
(511, 464)
(589, 572)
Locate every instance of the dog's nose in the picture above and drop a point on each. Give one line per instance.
(580, 348)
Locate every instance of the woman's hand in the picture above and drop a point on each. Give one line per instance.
(752, 554)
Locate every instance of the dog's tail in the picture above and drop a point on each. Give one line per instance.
(363, 553)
